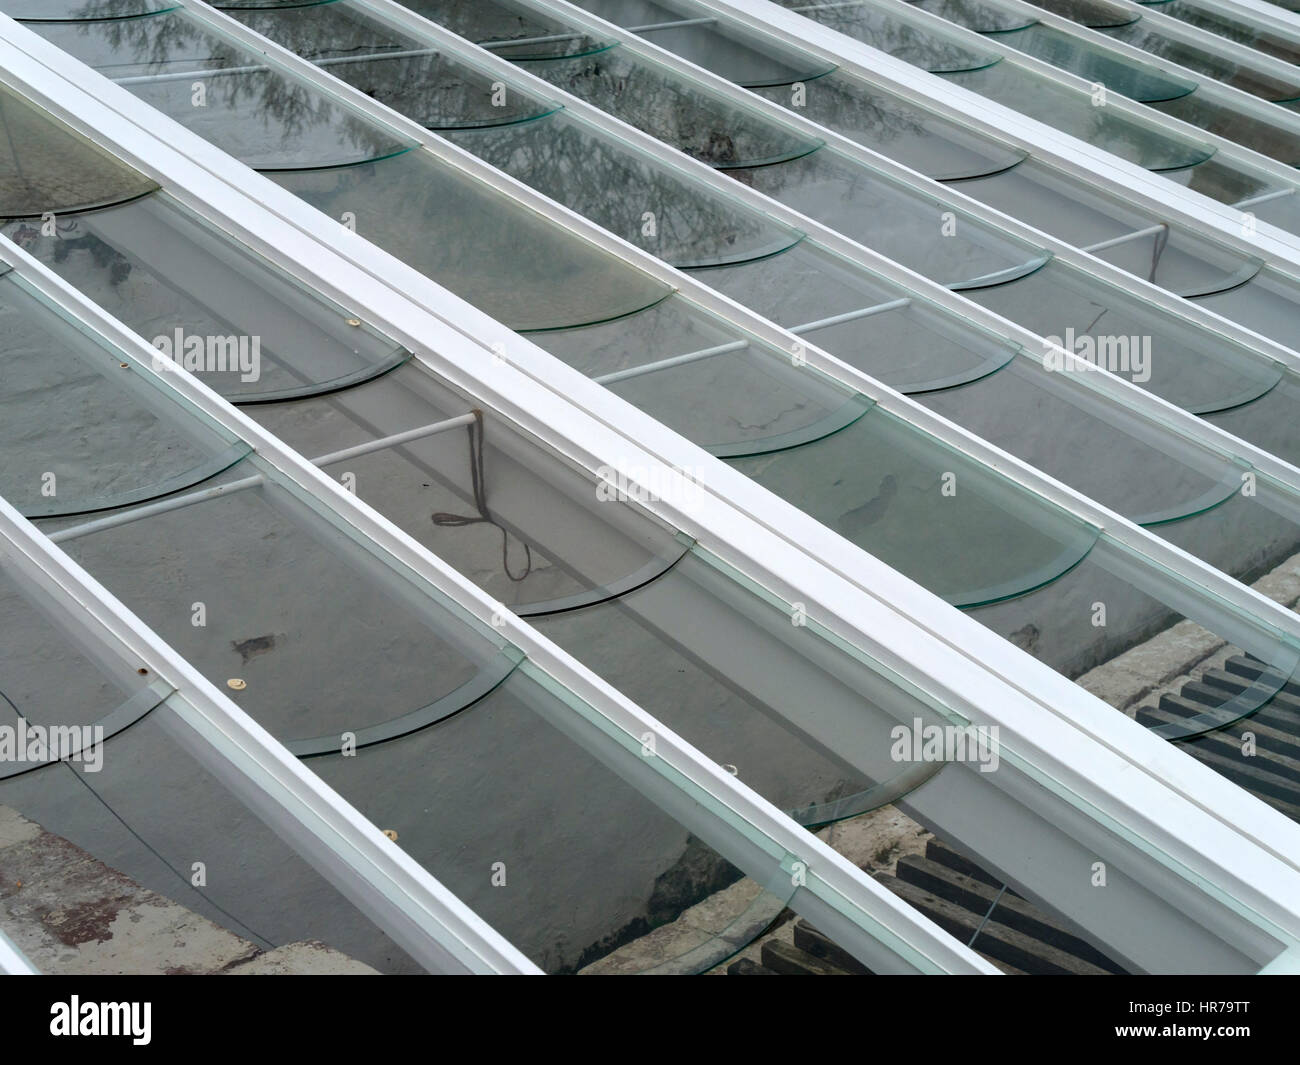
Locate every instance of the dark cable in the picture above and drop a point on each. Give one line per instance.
(478, 480)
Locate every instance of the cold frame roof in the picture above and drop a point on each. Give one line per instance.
(888, 433)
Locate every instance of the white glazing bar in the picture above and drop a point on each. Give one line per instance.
(1287, 265)
(1165, 26)
(415, 910)
(1259, 13)
(675, 360)
(675, 24)
(1085, 162)
(12, 961)
(851, 316)
(1111, 764)
(395, 440)
(855, 380)
(1207, 87)
(900, 939)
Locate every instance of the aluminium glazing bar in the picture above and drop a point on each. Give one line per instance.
(1074, 157)
(845, 901)
(1255, 123)
(12, 961)
(1289, 266)
(1274, 352)
(428, 921)
(176, 502)
(863, 384)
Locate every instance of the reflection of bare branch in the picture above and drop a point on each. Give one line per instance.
(163, 43)
(598, 177)
(434, 89)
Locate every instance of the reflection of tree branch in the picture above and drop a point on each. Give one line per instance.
(155, 43)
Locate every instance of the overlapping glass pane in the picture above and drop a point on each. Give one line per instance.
(81, 429)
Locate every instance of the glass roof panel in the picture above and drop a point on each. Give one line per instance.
(164, 272)
(295, 614)
(1275, 138)
(1073, 112)
(1224, 24)
(1095, 14)
(870, 324)
(725, 669)
(887, 123)
(1092, 13)
(926, 510)
(81, 10)
(506, 841)
(973, 14)
(154, 809)
(920, 231)
(81, 431)
(1133, 467)
(1172, 257)
(1205, 61)
(679, 28)
(41, 641)
(421, 81)
(224, 93)
(687, 116)
(617, 187)
(1176, 360)
(902, 35)
(514, 31)
(533, 532)
(46, 168)
(520, 268)
(1098, 64)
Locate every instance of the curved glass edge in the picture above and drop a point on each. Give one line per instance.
(519, 120)
(525, 330)
(769, 251)
(80, 208)
(502, 665)
(1243, 275)
(343, 164)
(886, 792)
(724, 945)
(1069, 557)
(142, 703)
(651, 571)
(1241, 706)
(853, 408)
(768, 84)
(399, 357)
(1020, 154)
(1002, 277)
(502, 47)
(205, 471)
(802, 151)
(1225, 489)
(978, 372)
(1240, 399)
(97, 18)
(1208, 152)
